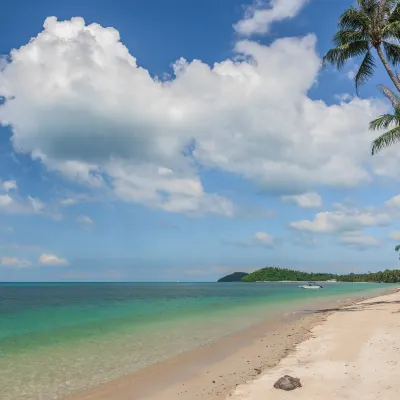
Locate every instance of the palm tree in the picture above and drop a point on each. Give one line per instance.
(386, 121)
(373, 24)
(397, 248)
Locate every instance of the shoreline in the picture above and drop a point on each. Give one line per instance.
(214, 370)
(352, 355)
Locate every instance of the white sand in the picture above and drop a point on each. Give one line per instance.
(354, 354)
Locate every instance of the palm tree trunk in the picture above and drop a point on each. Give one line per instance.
(387, 67)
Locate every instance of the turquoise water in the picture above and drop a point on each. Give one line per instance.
(56, 339)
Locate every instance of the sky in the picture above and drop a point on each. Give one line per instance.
(176, 140)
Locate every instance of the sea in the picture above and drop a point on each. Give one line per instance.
(61, 338)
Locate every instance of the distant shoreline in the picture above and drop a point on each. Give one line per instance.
(312, 281)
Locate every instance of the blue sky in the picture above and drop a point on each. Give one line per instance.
(186, 140)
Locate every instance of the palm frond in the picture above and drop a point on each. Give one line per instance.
(391, 31)
(370, 7)
(386, 7)
(343, 37)
(339, 55)
(392, 52)
(365, 71)
(397, 248)
(392, 96)
(395, 12)
(387, 139)
(383, 122)
(354, 19)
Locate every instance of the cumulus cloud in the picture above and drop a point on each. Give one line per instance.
(358, 240)
(261, 14)
(13, 203)
(77, 100)
(342, 220)
(263, 239)
(17, 205)
(84, 219)
(9, 185)
(68, 201)
(51, 260)
(259, 239)
(394, 235)
(305, 200)
(13, 262)
(394, 202)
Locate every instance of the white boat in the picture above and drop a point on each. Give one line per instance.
(311, 285)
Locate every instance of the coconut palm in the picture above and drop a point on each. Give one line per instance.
(397, 248)
(373, 24)
(387, 121)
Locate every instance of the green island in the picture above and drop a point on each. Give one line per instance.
(274, 274)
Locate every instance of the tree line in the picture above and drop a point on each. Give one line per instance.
(283, 274)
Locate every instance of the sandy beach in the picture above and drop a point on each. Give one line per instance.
(244, 366)
(354, 354)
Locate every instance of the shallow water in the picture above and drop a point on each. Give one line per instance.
(56, 339)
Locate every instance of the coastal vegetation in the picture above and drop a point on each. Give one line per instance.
(235, 277)
(371, 25)
(368, 29)
(274, 274)
(282, 274)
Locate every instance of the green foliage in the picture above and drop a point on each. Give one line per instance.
(281, 274)
(235, 277)
(387, 121)
(372, 24)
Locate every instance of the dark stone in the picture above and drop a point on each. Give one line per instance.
(287, 383)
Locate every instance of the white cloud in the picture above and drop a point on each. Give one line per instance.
(394, 202)
(68, 201)
(5, 200)
(305, 200)
(358, 240)
(263, 239)
(52, 260)
(9, 185)
(13, 262)
(262, 13)
(394, 236)
(15, 204)
(259, 239)
(84, 219)
(166, 189)
(78, 101)
(351, 73)
(342, 220)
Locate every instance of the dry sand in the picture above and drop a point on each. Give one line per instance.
(213, 371)
(354, 354)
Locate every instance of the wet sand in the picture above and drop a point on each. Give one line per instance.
(213, 371)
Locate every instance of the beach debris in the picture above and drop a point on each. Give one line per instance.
(287, 382)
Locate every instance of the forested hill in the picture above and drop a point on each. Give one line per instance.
(281, 274)
(235, 277)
